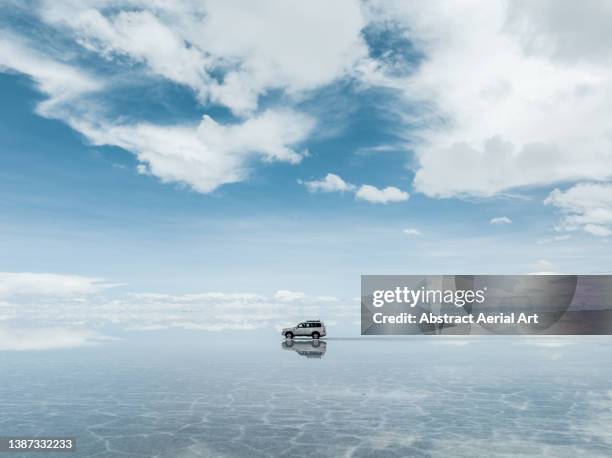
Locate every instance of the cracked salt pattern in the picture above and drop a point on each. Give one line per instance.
(424, 397)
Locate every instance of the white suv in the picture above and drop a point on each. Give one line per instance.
(311, 328)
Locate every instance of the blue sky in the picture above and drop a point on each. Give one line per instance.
(182, 149)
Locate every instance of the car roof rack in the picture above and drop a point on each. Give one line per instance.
(313, 321)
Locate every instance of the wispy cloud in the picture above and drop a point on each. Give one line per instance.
(20, 338)
(556, 238)
(49, 285)
(412, 231)
(587, 207)
(369, 150)
(500, 220)
(289, 296)
(65, 85)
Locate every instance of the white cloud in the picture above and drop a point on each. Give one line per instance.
(58, 309)
(187, 41)
(587, 207)
(286, 295)
(63, 84)
(136, 34)
(207, 155)
(556, 238)
(519, 94)
(46, 284)
(412, 231)
(203, 156)
(545, 341)
(47, 338)
(550, 30)
(500, 220)
(276, 47)
(454, 341)
(544, 267)
(598, 230)
(381, 196)
(378, 149)
(331, 183)
(502, 99)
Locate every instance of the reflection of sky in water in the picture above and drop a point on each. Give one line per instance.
(213, 394)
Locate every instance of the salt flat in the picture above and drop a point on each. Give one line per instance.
(208, 395)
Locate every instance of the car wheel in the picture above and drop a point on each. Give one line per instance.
(316, 335)
(288, 335)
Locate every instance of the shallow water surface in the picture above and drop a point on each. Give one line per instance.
(204, 394)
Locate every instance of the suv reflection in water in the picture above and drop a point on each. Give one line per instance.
(309, 349)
